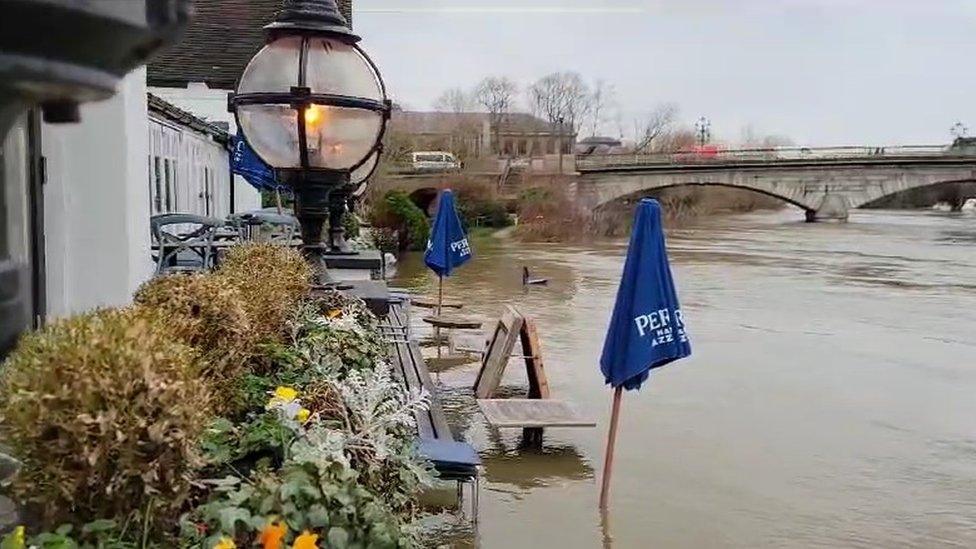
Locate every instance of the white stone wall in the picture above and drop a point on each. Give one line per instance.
(96, 204)
(211, 104)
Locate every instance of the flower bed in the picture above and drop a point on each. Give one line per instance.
(222, 410)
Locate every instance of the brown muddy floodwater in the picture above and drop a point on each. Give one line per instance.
(830, 401)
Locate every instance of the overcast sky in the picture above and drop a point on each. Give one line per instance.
(823, 72)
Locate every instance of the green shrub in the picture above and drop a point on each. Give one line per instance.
(396, 211)
(351, 225)
(271, 280)
(386, 240)
(483, 213)
(106, 411)
(207, 313)
(350, 473)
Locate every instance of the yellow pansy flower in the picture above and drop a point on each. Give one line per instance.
(307, 540)
(225, 543)
(303, 415)
(15, 539)
(286, 394)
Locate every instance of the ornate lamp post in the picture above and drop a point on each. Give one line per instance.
(313, 106)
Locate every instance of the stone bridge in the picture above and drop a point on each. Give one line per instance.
(826, 188)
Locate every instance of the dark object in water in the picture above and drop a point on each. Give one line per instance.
(527, 281)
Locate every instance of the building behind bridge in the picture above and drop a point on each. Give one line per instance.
(474, 138)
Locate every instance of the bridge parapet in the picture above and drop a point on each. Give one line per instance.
(777, 155)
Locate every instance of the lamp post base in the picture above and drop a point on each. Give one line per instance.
(337, 233)
(315, 256)
(313, 208)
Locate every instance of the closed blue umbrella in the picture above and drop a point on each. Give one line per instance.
(647, 330)
(447, 248)
(246, 163)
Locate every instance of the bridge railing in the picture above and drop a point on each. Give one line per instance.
(776, 154)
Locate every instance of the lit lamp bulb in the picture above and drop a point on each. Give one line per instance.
(312, 116)
(315, 118)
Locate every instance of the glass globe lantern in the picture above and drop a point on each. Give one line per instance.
(313, 106)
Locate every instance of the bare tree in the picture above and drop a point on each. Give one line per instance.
(561, 98)
(681, 139)
(652, 127)
(752, 139)
(455, 100)
(602, 99)
(497, 95)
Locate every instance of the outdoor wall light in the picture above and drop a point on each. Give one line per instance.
(313, 106)
(56, 55)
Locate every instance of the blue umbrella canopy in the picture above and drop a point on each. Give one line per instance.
(246, 163)
(647, 329)
(447, 248)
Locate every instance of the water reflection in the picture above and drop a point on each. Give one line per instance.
(528, 468)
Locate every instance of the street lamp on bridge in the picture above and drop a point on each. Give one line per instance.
(703, 130)
(313, 106)
(959, 130)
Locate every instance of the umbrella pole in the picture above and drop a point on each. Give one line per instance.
(278, 199)
(611, 442)
(440, 306)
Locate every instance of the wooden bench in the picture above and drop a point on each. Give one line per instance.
(409, 365)
(453, 460)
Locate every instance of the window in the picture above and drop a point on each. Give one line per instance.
(14, 193)
(21, 301)
(168, 186)
(207, 194)
(158, 179)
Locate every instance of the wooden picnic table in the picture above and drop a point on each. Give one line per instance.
(428, 303)
(450, 322)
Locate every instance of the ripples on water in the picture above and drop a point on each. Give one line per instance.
(831, 400)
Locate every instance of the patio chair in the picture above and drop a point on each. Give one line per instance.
(183, 242)
(282, 227)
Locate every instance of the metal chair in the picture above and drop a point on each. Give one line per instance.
(283, 227)
(183, 242)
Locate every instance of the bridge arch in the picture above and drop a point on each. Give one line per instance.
(425, 198)
(870, 201)
(758, 190)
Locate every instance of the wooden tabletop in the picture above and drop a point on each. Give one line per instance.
(532, 413)
(429, 303)
(453, 322)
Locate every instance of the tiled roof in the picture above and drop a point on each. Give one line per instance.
(171, 112)
(221, 39)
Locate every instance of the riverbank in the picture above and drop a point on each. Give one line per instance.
(547, 214)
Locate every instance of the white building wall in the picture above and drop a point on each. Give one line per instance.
(97, 203)
(211, 104)
(188, 171)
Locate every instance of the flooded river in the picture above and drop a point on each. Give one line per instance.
(830, 401)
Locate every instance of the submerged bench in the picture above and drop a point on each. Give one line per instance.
(453, 460)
